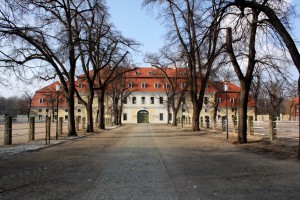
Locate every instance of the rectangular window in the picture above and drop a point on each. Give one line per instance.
(165, 85)
(47, 110)
(40, 117)
(155, 85)
(133, 100)
(55, 110)
(55, 117)
(183, 85)
(161, 116)
(125, 100)
(41, 100)
(66, 110)
(80, 85)
(143, 85)
(66, 117)
(219, 100)
(231, 100)
(161, 100)
(78, 110)
(40, 110)
(206, 110)
(183, 109)
(137, 73)
(152, 100)
(130, 84)
(125, 116)
(143, 100)
(232, 109)
(205, 100)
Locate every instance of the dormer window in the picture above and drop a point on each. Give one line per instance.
(165, 85)
(231, 100)
(183, 85)
(149, 73)
(219, 100)
(130, 84)
(137, 73)
(80, 85)
(155, 85)
(41, 100)
(143, 85)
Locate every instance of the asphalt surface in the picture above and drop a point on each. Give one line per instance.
(147, 161)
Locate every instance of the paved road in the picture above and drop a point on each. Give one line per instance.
(147, 162)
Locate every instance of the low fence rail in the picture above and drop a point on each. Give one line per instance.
(21, 132)
(275, 129)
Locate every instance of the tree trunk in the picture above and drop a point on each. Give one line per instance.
(196, 117)
(101, 124)
(242, 114)
(120, 116)
(72, 127)
(89, 108)
(168, 110)
(175, 112)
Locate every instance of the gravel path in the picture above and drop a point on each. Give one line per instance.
(147, 161)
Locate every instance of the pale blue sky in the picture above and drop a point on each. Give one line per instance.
(138, 23)
(135, 22)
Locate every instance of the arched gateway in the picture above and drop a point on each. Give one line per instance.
(143, 116)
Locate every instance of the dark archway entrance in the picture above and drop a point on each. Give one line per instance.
(143, 116)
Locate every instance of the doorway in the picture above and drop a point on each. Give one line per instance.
(143, 116)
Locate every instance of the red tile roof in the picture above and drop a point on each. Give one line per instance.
(149, 76)
(46, 97)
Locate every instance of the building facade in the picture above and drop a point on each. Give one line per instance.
(147, 99)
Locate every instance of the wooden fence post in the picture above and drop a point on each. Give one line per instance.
(8, 131)
(48, 126)
(31, 129)
(272, 128)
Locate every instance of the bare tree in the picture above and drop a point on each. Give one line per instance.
(51, 39)
(171, 70)
(195, 33)
(262, 13)
(101, 47)
(118, 90)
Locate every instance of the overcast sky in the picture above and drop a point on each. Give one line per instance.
(135, 22)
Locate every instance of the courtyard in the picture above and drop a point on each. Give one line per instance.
(148, 161)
